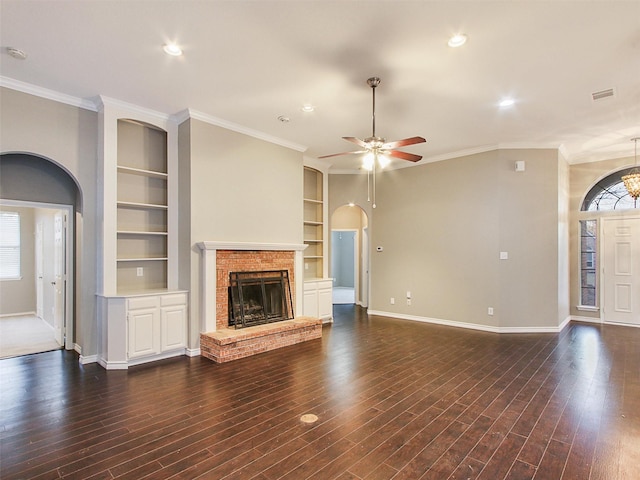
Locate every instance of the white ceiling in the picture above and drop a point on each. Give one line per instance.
(250, 62)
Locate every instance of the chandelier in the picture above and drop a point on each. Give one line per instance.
(632, 180)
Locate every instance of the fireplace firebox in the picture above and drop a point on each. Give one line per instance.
(261, 297)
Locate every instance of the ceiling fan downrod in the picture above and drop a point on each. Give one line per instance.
(373, 82)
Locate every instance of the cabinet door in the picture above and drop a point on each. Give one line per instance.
(310, 303)
(325, 303)
(144, 332)
(174, 326)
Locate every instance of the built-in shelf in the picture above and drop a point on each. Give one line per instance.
(130, 232)
(150, 259)
(142, 205)
(313, 221)
(142, 172)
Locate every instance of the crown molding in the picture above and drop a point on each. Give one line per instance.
(219, 122)
(24, 87)
(101, 101)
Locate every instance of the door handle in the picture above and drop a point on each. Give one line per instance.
(53, 283)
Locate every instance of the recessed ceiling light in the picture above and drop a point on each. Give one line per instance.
(16, 53)
(307, 107)
(506, 102)
(457, 40)
(172, 49)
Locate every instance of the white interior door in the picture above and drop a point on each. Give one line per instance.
(621, 270)
(39, 271)
(59, 264)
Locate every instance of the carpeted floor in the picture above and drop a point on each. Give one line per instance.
(25, 334)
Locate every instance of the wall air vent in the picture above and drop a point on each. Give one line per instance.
(602, 94)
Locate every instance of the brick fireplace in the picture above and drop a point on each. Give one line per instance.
(221, 343)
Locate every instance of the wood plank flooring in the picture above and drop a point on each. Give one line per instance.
(395, 399)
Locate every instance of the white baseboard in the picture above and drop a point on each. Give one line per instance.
(84, 360)
(193, 352)
(18, 314)
(578, 318)
(472, 326)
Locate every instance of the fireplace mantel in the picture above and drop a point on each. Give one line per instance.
(208, 282)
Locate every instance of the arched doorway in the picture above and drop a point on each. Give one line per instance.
(45, 199)
(610, 251)
(350, 255)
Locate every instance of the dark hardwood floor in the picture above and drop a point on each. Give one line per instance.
(394, 399)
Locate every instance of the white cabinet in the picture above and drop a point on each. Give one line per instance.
(143, 328)
(156, 325)
(318, 299)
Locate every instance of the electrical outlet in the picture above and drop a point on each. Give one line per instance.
(392, 301)
(490, 311)
(139, 272)
(408, 301)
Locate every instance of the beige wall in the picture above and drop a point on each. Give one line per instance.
(19, 296)
(67, 136)
(442, 226)
(242, 189)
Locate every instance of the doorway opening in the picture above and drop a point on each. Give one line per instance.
(36, 308)
(350, 255)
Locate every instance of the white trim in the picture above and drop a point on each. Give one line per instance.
(215, 245)
(587, 308)
(139, 112)
(219, 122)
(19, 314)
(41, 92)
(192, 352)
(578, 318)
(621, 324)
(88, 359)
(472, 326)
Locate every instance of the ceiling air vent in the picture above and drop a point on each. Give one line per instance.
(602, 94)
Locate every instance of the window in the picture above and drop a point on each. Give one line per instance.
(609, 194)
(9, 245)
(588, 260)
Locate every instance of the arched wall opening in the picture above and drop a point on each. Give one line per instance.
(349, 257)
(32, 182)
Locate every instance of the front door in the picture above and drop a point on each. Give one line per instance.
(621, 275)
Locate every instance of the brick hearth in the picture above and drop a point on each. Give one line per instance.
(229, 344)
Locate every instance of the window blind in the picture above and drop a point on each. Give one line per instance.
(9, 245)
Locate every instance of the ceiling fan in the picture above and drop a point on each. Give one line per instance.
(377, 145)
(377, 149)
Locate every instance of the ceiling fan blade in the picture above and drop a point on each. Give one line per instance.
(404, 142)
(342, 153)
(403, 155)
(355, 140)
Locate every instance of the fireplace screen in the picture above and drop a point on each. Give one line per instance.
(259, 297)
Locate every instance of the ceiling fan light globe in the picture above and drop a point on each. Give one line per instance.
(383, 160)
(367, 161)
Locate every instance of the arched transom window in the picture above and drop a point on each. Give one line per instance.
(609, 194)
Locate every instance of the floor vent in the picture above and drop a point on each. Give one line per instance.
(602, 94)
